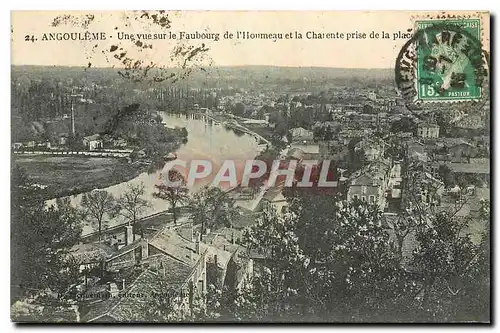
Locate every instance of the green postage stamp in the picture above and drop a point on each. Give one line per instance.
(449, 62)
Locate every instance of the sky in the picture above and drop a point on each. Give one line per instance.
(341, 53)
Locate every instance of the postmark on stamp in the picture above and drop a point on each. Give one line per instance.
(443, 62)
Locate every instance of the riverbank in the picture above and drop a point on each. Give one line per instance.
(66, 176)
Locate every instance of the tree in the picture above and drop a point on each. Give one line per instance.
(286, 276)
(362, 272)
(353, 273)
(175, 193)
(176, 306)
(451, 266)
(96, 205)
(301, 117)
(40, 239)
(403, 225)
(131, 203)
(313, 214)
(367, 108)
(239, 109)
(446, 175)
(405, 125)
(356, 158)
(212, 207)
(444, 119)
(268, 156)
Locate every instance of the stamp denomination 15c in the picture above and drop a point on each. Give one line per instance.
(449, 62)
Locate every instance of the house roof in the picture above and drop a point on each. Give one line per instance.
(419, 156)
(478, 168)
(306, 148)
(167, 275)
(428, 125)
(296, 153)
(255, 121)
(367, 143)
(174, 272)
(244, 220)
(480, 160)
(213, 249)
(224, 240)
(123, 308)
(473, 121)
(300, 132)
(274, 194)
(374, 173)
(92, 137)
(171, 243)
(451, 142)
(91, 252)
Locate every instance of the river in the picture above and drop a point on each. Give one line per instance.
(206, 140)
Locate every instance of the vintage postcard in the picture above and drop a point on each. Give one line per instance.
(249, 167)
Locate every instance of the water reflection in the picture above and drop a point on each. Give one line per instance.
(207, 140)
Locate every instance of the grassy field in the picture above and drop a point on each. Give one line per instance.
(72, 175)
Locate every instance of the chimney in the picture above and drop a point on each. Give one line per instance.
(129, 234)
(123, 284)
(215, 261)
(113, 289)
(72, 117)
(197, 243)
(145, 249)
(250, 267)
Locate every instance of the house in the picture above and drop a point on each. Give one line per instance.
(374, 149)
(307, 151)
(140, 153)
(404, 135)
(462, 149)
(395, 180)
(479, 160)
(217, 260)
(227, 264)
(17, 145)
(370, 184)
(63, 139)
(92, 142)
(428, 131)
(163, 280)
(164, 265)
(295, 154)
(417, 151)
(120, 143)
(479, 169)
(431, 189)
(255, 123)
(300, 134)
(274, 198)
(471, 121)
(45, 144)
(90, 255)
